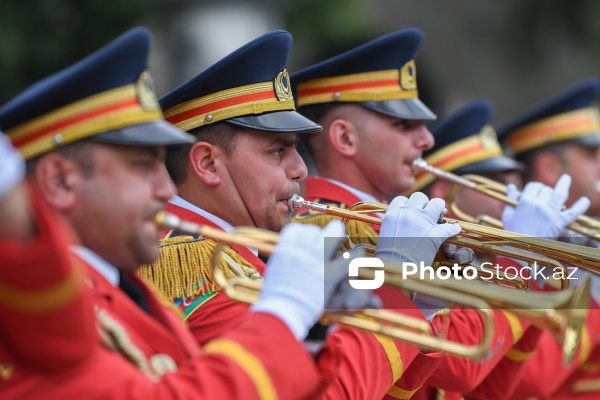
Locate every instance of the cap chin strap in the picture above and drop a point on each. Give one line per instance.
(243, 201)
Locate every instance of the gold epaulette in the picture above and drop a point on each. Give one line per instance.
(184, 267)
(357, 230)
(319, 219)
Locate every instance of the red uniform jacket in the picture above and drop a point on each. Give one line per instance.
(49, 314)
(327, 192)
(367, 364)
(44, 302)
(464, 326)
(584, 382)
(543, 375)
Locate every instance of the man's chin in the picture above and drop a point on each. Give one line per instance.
(277, 226)
(406, 185)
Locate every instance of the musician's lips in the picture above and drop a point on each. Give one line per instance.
(286, 199)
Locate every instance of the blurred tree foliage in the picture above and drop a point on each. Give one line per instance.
(41, 37)
(330, 27)
(538, 24)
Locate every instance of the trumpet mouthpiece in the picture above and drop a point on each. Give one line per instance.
(296, 202)
(166, 220)
(420, 163)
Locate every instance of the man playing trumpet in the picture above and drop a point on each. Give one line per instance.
(94, 139)
(240, 172)
(366, 100)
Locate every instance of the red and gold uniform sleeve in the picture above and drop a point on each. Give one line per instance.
(245, 363)
(466, 327)
(367, 364)
(501, 382)
(46, 310)
(546, 363)
(584, 382)
(414, 378)
(459, 376)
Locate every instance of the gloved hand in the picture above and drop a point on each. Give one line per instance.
(410, 233)
(12, 166)
(300, 278)
(460, 255)
(539, 211)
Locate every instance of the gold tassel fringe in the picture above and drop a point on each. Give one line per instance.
(184, 268)
(354, 229)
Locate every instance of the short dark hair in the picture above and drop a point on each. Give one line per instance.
(528, 158)
(221, 134)
(79, 152)
(316, 113)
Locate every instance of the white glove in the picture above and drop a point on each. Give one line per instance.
(295, 289)
(12, 166)
(460, 255)
(539, 211)
(410, 233)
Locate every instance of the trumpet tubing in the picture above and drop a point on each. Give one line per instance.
(256, 238)
(392, 324)
(384, 322)
(482, 238)
(583, 225)
(562, 313)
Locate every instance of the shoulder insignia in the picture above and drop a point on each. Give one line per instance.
(188, 305)
(361, 232)
(318, 219)
(358, 232)
(184, 267)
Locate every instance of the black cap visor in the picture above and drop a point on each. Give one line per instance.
(280, 121)
(155, 133)
(411, 109)
(496, 164)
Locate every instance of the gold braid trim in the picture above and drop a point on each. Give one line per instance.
(115, 338)
(184, 267)
(354, 229)
(318, 219)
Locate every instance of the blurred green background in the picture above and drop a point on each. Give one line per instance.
(513, 52)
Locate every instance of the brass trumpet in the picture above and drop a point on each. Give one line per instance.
(542, 309)
(583, 225)
(562, 313)
(383, 322)
(482, 238)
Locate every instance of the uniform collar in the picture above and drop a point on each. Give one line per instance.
(363, 196)
(104, 268)
(221, 223)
